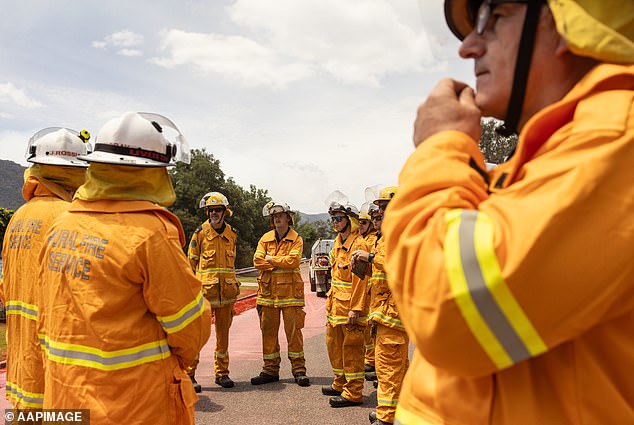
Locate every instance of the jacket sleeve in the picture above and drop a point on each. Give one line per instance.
(379, 256)
(359, 286)
(292, 259)
(486, 280)
(258, 258)
(193, 252)
(174, 295)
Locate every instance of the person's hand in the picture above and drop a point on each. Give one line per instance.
(450, 106)
(353, 316)
(360, 255)
(268, 259)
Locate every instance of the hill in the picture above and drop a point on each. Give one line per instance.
(311, 218)
(11, 179)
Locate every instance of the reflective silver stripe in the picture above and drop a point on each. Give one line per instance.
(10, 308)
(21, 395)
(105, 361)
(482, 298)
(194, 310)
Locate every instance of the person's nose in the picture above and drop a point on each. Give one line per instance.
(472, 46)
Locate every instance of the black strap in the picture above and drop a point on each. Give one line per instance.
(522, 68)
(136, 152)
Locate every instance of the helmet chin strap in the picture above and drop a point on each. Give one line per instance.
(522, 68)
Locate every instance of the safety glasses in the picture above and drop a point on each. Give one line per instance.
(338, 218)
(486, 9)
(216, 209)
(364, 222)
(377, 217)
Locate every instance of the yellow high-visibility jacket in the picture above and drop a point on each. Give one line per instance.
(280, 283)
(517, 286)
(382, 305)
(347, 291)
(121, 314)
(23, 240)
(212, 257)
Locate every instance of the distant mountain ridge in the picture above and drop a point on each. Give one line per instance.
(11, 180)
(311, 218)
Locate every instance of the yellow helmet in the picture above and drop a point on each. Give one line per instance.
(212, 199)
(600, 29)
(386, 194)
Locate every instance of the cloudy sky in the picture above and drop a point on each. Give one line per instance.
(300, 97)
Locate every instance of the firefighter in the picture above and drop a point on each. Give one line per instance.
(346, 307)
(280, 292)
(366, 229)
(515, 284)
(121, 313)
(212, 255)
(391, 341)
(49, 185)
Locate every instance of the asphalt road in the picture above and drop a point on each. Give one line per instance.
(282, 402)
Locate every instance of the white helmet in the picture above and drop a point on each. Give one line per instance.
(137, 139)
(338, 201)
(367, 210)
(274, 207)
(58, 146)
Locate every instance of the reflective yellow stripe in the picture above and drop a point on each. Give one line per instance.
(23, 309)
(337, 371)
(295, 355)
(216, 270)
(271, 356)
(341, 284)
(291, 302)
(495, 318)
(26, 398)
(342, 320)
(220, 355)
(294, 251)
(354, 375)
(380, 317)
(262, 253)
(387, 401)
(222, 303)
(184, 317)
(82, 355)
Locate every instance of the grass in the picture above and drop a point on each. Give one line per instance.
(245, 279)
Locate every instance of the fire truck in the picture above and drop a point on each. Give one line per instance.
(319, 266)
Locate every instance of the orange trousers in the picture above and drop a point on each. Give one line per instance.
(270, 325)
(391, 364)
(223, 317)
(346, 352)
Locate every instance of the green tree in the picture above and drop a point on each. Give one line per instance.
(202, 175)
(310, 232)
(495, 147)
(5, 216)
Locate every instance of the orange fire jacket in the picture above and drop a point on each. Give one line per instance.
(213, 257)
(517, 286)
(347, 291)
(280, 283)
(23, 240)
(121, 314)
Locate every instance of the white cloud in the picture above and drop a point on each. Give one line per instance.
(11, 94)
(234, 57)
(123, 40)
(130, 52)
(357, 41)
